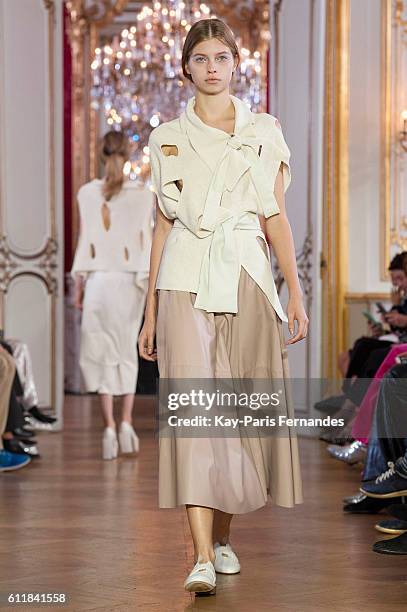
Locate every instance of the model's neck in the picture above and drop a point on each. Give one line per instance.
(214, 108)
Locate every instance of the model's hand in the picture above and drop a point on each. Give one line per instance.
(296, 312)
(146, 340)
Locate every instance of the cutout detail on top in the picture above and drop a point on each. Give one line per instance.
(169, 149)
(106, 216)
(126, 254)
(92, 251)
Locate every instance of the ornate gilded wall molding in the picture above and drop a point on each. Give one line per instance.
(334, 259)
(393, 208)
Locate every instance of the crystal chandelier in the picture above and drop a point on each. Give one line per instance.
(138, 81)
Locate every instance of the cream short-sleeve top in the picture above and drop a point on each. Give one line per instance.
(117, 239)
(214, 185)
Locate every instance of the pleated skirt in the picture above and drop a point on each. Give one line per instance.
(113, 308)
(235, 474)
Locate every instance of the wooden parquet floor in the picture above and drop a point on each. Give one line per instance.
(73, 523)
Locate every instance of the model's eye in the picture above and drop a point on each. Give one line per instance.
(199, 58)
(223, 57)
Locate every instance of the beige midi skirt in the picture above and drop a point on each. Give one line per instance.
(234, 474)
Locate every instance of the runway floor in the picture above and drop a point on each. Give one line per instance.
(71, 522)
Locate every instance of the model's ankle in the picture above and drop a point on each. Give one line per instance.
(204, 557)
(222, 540)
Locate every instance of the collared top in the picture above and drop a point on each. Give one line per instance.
(121, 243)
(214, 185)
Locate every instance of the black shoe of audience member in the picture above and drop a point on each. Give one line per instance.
(399, 511)
(24, 434)
(20, 447)
(40, 416)
(330, 404)
(387, 485)
(363, 504)
(394, 546)
(27, 423)
(393, 526)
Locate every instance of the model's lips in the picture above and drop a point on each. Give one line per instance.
(212, 80)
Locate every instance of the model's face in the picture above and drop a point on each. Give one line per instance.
(399, 279)
(211, 65)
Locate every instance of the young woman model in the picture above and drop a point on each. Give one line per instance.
(111, 277)
(219, 173)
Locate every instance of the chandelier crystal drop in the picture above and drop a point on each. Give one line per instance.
(137, 80)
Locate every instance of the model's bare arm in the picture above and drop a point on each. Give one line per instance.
(146, 337)
(279, 235)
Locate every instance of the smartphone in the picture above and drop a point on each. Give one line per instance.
(381, 308)
(370, 318)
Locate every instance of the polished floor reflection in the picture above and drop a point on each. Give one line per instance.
(73, 523)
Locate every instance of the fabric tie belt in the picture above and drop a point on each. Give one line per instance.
(220, 269)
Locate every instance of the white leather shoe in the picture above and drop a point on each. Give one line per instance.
(202, 578)
(129, 442)
(110, 444)
(226, 561)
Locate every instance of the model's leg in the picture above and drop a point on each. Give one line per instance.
(127, 407)
(221, 527)
(110, 444)
(201, 524)
(107, 410)
(128, 438)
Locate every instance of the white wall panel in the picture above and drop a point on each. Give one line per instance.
(296, 96)
(25, 99)
(31, 186)
(365, 121)
(28, 317)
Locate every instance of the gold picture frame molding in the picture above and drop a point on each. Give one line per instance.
(334, 257)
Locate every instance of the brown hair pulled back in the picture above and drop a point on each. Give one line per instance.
(205, 29)
(115, 151)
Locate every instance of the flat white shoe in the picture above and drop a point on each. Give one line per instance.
(202, 578)
(110, 444)
(226, 561)
(129, 441)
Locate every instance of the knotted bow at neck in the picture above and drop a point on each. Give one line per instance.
(229, 157)
(239, 156)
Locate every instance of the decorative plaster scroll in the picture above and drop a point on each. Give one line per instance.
(43, 264)
(304, 265)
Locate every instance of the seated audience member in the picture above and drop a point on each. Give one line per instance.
(362, 425)
(16, 437)
(29, 396)
(387, 442)
(8, 461)
(367, 355)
